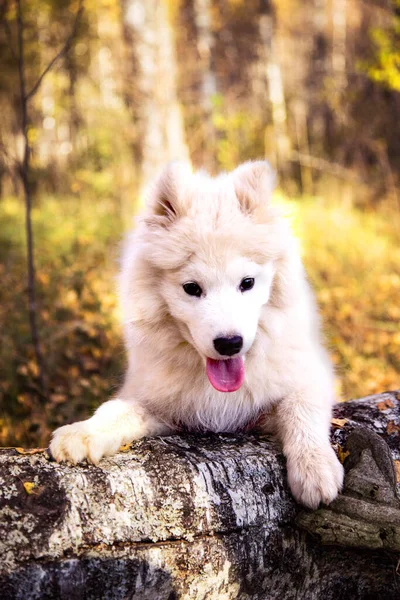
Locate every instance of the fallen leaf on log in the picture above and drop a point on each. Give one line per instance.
(125, 448)
(392, 427)
(28, 451)
(397, 469)
(385, 404)
(342, 454)
(29, 486)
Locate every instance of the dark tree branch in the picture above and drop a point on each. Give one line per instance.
(24, 173)
(61, 53)
(25, 168)
(6, 25)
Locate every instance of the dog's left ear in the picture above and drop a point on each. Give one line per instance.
(165, 202)
(254, 183)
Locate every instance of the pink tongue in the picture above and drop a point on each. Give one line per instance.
(226, 375)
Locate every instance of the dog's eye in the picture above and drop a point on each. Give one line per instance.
(193, 289)
(246, 284)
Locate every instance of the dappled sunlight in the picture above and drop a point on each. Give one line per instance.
(96, 97)
(353, 261)
(352, 258)
(77, 248)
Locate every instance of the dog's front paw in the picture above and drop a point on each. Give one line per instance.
(316, 476)
(77, 442)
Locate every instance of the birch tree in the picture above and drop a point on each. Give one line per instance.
(152, 89)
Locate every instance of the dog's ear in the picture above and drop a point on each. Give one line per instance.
(165, 201)
(254, 183)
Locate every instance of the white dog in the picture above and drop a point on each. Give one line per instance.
(220, 326)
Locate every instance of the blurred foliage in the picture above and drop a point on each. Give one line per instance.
(87, 115)
(353, 261)
(316, 89)
(238, 135)
(385, 69)
(74, 117)
(354, 267)
(77, 249)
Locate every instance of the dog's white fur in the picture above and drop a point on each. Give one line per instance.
(217, 231)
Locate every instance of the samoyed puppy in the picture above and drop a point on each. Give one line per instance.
(220, 328)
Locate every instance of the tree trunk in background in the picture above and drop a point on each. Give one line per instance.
(277, 141)
(303, 69)
(339, 27)
(316, 82)
(208, 82)
(152, 88)
(205, 517)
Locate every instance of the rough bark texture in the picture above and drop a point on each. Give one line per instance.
(205, 517)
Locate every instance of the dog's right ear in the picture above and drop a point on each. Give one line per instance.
(165, 201)
(254, 183)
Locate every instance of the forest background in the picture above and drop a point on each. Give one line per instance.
(313, 86)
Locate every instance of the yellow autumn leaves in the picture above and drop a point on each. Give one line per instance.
(353, 261)
(352, 258)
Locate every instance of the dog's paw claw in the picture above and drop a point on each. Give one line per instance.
(316, 478)
(76, 443)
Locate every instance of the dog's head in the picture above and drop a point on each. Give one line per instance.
(214, 246)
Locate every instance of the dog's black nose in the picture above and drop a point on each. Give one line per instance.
(228, 346)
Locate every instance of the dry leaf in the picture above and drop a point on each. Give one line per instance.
(89, 364)
(125, 448)
(342, 454)
(33, 368)
(339, 422)
(392, 427)
(58, 398)
(29, 451)
(397, 469)
(29, 487)
(22, 370)
(385, 404)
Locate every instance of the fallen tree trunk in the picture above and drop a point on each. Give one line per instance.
(205, 517)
